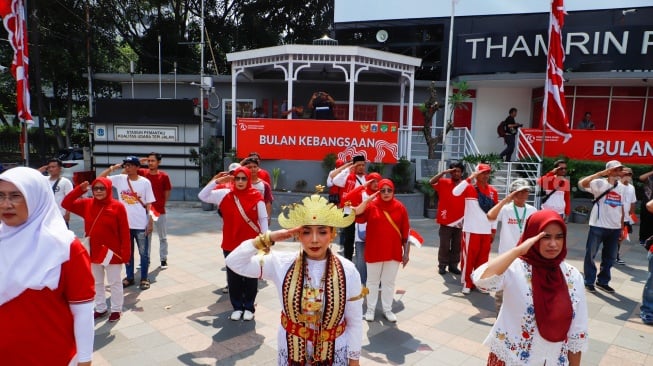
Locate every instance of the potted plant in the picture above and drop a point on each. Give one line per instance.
(429, 198)
(580, 214)
(208, 158)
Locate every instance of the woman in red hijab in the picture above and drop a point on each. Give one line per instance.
(244, 217)
(105, 223)
(386, 245)
(544, 315)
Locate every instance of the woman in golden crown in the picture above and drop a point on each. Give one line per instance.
(321, 293)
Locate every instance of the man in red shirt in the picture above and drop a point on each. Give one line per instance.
(161, 187)
(450, 217)
(348, 179)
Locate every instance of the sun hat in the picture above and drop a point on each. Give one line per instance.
(520, 185)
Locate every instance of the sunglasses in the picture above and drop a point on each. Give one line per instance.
(99, 189)
(240, 179)
(385, 190)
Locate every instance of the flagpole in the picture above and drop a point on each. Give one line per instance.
(448, 87)
(545, 102)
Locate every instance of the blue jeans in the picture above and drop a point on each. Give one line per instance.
(610, 239)
(242, 290)
(143, 251)
(647, 296)
(359, 260)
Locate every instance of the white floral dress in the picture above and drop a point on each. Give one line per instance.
(514, 338)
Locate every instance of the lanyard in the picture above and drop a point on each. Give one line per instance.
(520, 222)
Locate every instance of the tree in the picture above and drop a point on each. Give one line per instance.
(456, 101)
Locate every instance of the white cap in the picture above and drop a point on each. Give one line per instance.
(520, 185)
(233, 166)
(612, 164)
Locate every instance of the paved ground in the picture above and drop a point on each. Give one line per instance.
(183, 318)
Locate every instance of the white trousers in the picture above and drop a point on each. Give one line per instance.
(384, 273)
(113, 272)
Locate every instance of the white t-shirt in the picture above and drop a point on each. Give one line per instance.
(136, 213)
(63, 188)
(607, 212)
(629, 198)
(512, 225)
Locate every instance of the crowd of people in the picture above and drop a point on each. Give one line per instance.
(540, 298)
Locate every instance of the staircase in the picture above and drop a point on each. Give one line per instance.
(460, 143)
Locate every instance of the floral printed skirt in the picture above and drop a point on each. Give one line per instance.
(493, 360)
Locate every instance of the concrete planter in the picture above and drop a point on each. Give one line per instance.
(414, 202)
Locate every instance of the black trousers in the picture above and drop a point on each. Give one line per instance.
(242, 290)
(510, 147)
(348, 235)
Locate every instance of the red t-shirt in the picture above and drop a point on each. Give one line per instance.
(383, 242)
(37, 326)
(263, 174)
(160, 184)
(450, 208)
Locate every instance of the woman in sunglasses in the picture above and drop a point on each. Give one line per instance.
(244, 217)
(106, 226)
(46, 285)
(386, 245)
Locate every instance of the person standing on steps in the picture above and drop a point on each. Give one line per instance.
(510, 127)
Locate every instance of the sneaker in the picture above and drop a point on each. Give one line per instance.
(248, 315)
(235, 316)
(442, 270)
(646, 318)
(98, 315)
(454, 270)
(114, 317)
(390, 316)
(590, 288)
(164, 264)
(621, 261)
(466, 290)
(605, 288)
(369, 316)
(225, 290)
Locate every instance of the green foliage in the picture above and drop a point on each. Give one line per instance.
(493, 159)
(209, 158)
(426, 188)
(458, 98)
(276, 173)
(329, 162)
(402, 176)
(376, 168)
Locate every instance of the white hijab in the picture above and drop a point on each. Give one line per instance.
(31, 254)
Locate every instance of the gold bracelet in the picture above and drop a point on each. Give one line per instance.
(258, 243)
(268, 242)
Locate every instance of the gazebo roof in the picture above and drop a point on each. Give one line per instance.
(313, 59)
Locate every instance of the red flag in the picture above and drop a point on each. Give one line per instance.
(13, 17)
(554, 112)
(415, 238)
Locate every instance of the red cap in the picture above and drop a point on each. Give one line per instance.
(482, 168)
(339, 163)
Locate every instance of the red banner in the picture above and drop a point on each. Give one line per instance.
(314, 139)
(634, 147)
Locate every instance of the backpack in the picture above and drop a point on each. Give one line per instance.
(501, 129)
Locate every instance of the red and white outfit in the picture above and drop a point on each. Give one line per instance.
(384, 246)
(477, 229)
(105, 222)
(560, 200)
(46, 285)
(160, 185)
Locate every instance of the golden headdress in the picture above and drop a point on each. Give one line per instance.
(314, 210)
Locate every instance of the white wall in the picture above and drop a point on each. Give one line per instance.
(491, 107)
(364, 10)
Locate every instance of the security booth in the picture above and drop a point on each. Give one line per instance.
(123, 127)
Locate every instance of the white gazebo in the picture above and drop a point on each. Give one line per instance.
(308, 62)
